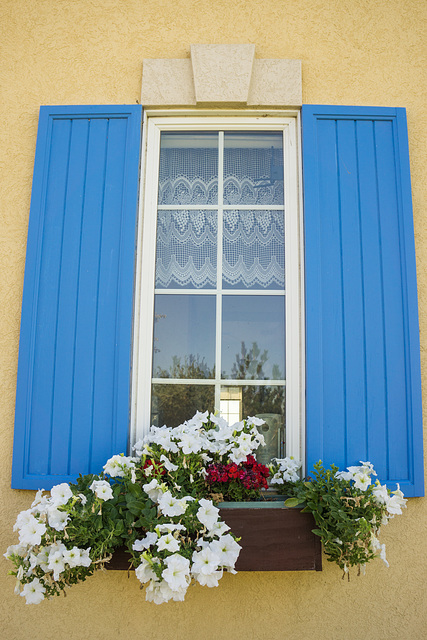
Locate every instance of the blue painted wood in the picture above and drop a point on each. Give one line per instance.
(363, 359)
(72, 402)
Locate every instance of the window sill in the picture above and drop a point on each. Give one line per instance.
(273, 538)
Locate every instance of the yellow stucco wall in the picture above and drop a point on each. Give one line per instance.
(367, 52)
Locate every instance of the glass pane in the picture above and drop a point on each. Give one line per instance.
(231, 404)
(253, 337)
(186, 249)
(267, 403)
(253, 249)
(184, 336)
(171, 404)
(188, 171)
(253, 167)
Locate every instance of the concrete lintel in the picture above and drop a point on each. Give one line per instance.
(222, 75)
(167, 82)
(276, 83)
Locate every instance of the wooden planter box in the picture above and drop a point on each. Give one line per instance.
(273, 538)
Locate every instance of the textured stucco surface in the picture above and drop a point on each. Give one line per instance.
(367, 52)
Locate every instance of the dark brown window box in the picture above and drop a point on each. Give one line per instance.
(273, 538)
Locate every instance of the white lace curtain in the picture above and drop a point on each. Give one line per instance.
(253, 240)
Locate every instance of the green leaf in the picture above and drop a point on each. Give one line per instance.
(135, 490)
(136, 507)
(293, 502)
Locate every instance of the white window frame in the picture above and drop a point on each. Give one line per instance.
(155, 122)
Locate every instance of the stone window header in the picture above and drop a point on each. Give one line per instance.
(222, 74)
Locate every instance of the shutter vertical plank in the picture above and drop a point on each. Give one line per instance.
(375, 415)
(331, 257)
(67, 304)
(352, 291)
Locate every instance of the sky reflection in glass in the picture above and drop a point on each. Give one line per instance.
(253, 338)
(184, 336)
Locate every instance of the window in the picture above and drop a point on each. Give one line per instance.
(362, 360)
(219, 274)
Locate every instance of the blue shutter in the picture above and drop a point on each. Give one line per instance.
(72, 401)
(363, 355)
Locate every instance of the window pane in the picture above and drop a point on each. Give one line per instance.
(265, 402)
(253, 337)
(188, 170)
(171, 404)
(254, 249)
(253, 168)
(184, 336)
(186, 248)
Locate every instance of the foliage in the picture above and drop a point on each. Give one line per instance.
(160, 506)
(348, 511)
(156, 504)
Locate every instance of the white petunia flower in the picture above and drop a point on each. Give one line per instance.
(380, 493)
(56, 564)
(102, 489)
(153, 489)
(145, 543)
(227, 549)
(367, 467)
(168, 464)
(144, 571)
(168, 543)
(16, 550)
(72, 557)
(169, 527)
(138, 447)
(253, 420)
(238, 426)
(162, 437)
(60, 494)
(239, 454)
(85, 560)
(244, 438)
(207, 513)
(344, 475)
(189, 443)
(219, 528)
(57, 519)
(118, 466)
(43, 558)
(177, 573)
(361, 481)
(219, 421)
(170, 506)
(40, 502)
(31, 533)
(160, 592)
(209, 579)
(205, 561)
(277, 479)
(33, 592)
(33, 561)
(22, 519)
(396, 502)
